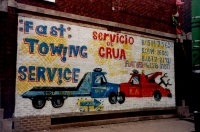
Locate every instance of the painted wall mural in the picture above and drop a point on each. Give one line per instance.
(63, 68)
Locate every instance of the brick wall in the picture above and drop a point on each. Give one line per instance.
(24, 107)
(187, 16)
(153, 15)
(32, 123)
(183, 60)
(8, 43)
(147, 14)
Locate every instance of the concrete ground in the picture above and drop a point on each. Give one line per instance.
(159, 125)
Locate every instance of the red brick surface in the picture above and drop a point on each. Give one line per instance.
(187, 16)
(33, 123)
(8, 46)
(154, 14)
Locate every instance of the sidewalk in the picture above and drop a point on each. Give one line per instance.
(159, 125)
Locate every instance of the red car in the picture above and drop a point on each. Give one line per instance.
(140, 85)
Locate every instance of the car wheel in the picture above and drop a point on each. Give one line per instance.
(121, 98)
(57, 102)
(112, 98)
(157, 95)
(38, 102)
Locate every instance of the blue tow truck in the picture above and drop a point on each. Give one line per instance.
(92, 84)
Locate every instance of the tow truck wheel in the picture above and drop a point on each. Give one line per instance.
(157, 95)
(57, 102)
(38, 102)
(112, 98)
(121, 98)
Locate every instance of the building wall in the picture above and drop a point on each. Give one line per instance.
(58, 54)
(8, 36)
(187, 16)
(154, 15)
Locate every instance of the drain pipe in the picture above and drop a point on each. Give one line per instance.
(196, 59)
(196, 36)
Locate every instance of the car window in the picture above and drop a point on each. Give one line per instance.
(99, 79)
(135, 80)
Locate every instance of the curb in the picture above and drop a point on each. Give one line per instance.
(112, 121)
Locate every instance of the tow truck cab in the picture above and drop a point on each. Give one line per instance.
(140, 85)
